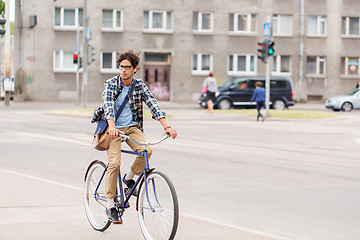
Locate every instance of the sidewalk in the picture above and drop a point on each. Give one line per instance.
(178, 111)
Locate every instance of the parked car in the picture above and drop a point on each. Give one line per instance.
(237, 92)
(345, 103)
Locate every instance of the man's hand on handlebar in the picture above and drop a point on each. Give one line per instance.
(114, 133)
(171, 131)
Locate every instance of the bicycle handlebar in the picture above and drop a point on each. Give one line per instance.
(145, 143)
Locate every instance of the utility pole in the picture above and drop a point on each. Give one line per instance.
(7, 54)
(301, 53)
(78, 95)
(84, 51)
(267, 50)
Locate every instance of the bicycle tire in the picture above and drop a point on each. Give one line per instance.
(162, 222)
(94, 208)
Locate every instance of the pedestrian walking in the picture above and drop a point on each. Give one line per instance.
(259, 98)
(211, 88)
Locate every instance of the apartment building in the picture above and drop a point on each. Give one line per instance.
(181, 41)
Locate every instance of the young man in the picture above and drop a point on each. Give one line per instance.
(130, 122)
(259, 98)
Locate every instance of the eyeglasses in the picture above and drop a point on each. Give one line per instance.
(125, 67)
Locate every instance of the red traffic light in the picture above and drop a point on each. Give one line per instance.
(261, 44)
(75, 58)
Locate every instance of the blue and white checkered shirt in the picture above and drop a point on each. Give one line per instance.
(140, 94)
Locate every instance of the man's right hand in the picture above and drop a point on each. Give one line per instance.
(112, 131)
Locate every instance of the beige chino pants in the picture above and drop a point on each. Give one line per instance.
(114, 156)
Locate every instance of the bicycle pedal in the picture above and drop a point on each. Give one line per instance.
(127, 192)
(121, 222)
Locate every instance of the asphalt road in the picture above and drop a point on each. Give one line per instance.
(235, 178)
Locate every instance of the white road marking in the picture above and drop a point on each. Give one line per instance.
(196, 217)
(41, 179)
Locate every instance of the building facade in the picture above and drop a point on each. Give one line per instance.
(181, 41)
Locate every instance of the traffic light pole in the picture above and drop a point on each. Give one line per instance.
(267, 86)
(85, 46)
(78, 95)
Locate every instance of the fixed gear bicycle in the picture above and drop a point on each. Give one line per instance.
(156, 203)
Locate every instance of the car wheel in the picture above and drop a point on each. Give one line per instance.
(279, 104)
(347, 107)
(224, 104)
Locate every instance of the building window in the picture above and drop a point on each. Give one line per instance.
(157, 21)
(203, 22)
(201, 64)
(68, 19)
(315, 65)
(241, 64)
(281, 65)
(350, 26)
(282, 25)
(316, 26)
(63, 61)
(108, 62)
(350, 66)
(112, 20)
(242, 23)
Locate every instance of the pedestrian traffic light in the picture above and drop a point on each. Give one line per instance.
(271, 47)
(90, 54)
(263, 51)
(2, 22)
(75, 58)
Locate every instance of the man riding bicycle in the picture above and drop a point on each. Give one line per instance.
(130, 122)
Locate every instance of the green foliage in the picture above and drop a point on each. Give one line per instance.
(2, 9)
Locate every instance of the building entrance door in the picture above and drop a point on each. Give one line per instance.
(157, 75)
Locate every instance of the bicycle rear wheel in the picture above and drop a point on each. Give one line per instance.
(94, 206)
(159, 212)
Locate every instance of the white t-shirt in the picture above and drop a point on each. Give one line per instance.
(211, 84)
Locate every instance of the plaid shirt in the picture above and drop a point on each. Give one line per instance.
(141, 93)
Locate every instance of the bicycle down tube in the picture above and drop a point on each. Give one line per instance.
(143, 173)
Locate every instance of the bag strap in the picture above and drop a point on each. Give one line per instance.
(125, 100)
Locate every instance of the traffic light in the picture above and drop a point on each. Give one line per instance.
(90, 54)
(75, 57)
(263, 50)
(2, 22)
(271, 47)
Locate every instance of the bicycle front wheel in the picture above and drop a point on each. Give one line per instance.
(158, 208)
(95, 203)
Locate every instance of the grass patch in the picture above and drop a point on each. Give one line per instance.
(286, 114)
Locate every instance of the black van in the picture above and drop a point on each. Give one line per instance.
(237, 92)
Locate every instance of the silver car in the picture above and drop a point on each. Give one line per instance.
(345, 103)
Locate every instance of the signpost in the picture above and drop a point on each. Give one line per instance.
(267, 34)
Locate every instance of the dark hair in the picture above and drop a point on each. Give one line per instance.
(130, 55)
(258, 84)
(211, 74)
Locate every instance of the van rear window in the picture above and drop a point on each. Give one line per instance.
(278, 84)
(273, 83)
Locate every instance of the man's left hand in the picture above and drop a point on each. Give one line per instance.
(171, 131)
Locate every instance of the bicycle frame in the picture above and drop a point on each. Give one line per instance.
(124, 203)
